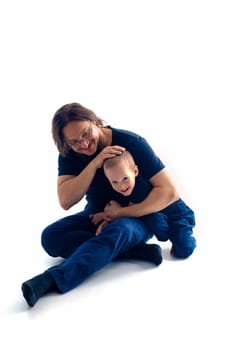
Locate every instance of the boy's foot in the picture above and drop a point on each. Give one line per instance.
(146, 252)
(38, 286)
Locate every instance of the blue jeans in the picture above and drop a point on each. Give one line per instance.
(74, 239)
(174, 223)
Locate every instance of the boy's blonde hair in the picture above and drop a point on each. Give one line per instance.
(111, 162)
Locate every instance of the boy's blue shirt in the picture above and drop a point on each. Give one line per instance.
(141, 190)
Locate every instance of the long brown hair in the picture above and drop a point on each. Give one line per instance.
(66, 114)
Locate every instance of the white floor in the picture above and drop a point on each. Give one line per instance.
(164, 70)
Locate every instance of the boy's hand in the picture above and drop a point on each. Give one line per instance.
(111, 212)
(97, 218)
(100, 227)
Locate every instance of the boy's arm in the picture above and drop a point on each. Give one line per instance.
(97, 218)
(162, 194)
(100, 218)
(101, 226)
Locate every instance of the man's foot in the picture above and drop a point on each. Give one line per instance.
(38, 286)
(145, 252)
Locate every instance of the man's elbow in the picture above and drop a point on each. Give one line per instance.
(173, 195)
(64, 204)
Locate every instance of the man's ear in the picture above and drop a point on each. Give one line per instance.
(136, 171)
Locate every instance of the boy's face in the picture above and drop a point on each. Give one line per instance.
(122, 177)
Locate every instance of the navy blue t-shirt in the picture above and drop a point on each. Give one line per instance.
(141, 190)
(100, 191)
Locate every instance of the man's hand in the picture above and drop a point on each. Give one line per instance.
(107, 152)
(112, 210)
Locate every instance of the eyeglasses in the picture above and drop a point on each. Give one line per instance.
(85, 136)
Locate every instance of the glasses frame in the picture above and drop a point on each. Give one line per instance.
(85, 136)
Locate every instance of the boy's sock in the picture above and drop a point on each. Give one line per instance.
(38, 286)
(146, 252)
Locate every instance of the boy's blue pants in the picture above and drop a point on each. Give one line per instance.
(74, 239)
(174, 223)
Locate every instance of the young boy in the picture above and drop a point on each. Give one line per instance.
(174, 223)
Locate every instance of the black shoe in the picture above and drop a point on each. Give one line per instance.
(145, 252)
(38, 286)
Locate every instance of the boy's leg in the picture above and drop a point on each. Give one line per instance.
(157, 223)
(181, 220)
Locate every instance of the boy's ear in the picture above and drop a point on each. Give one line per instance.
(136, 171)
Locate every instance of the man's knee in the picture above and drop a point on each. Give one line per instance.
(48, 241)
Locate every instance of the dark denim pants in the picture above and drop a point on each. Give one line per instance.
(174, 223)
(74, 239)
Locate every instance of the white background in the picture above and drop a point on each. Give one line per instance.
(159, 68)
